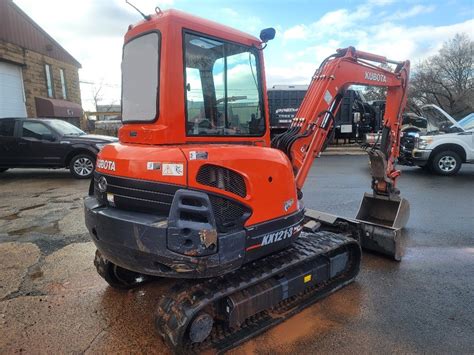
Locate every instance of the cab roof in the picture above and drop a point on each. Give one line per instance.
(190, 22)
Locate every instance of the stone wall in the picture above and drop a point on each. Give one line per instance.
(34, 76)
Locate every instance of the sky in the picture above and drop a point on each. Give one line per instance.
(307, 31)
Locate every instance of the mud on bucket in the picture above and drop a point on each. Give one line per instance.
(383, 211)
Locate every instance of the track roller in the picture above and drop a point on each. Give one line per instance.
(200, 327)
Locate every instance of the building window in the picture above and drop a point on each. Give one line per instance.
(49, 79)
(63, 83)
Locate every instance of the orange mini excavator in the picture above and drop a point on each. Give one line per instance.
(196, 190)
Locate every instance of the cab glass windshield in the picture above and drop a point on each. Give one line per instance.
(140, 78)
(223, 90)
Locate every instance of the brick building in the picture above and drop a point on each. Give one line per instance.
(38, 77)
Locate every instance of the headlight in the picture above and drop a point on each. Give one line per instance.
(100, 145)
(423, 142)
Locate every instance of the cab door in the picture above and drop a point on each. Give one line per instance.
(38, 145)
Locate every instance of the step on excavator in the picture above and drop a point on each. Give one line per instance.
(196, 190)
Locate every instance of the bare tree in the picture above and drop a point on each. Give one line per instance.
(375, 93)
(446, 79)
(97, 94)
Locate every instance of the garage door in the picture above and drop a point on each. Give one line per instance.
(12, 98)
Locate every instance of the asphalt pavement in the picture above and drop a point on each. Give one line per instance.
(52, 300)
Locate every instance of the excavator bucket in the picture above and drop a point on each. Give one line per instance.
(383, 211)
(377, 226)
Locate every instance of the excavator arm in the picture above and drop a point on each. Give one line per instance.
(383, 213)
(314, 120)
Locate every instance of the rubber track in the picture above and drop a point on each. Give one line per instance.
(178, 308)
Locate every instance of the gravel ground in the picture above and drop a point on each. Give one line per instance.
(52, 300)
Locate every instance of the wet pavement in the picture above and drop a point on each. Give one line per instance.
(52, 300)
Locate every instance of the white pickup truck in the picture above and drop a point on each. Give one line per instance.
(445, 144)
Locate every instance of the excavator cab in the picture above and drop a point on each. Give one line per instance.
(187, 81)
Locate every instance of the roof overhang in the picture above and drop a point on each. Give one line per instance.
(46, 107)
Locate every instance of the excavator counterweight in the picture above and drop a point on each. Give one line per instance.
(195, 190)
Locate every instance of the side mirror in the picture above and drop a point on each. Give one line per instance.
(48, 137)
(267, 34)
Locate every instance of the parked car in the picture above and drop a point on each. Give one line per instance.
(48, 143)
(445, 144)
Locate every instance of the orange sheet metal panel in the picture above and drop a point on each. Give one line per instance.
(130, 161)
(271, 191)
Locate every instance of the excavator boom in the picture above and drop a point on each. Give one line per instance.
(383, 213)
(315, 117)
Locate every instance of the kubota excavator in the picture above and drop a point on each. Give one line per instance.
(196, 190)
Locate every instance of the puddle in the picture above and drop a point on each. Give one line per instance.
(36, 275)
(326, 315)
(10, 217)
(32, 207)
(16, 215)
(48, 229)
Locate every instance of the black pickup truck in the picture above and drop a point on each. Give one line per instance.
(48, 143)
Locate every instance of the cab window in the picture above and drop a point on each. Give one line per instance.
(223, 88)
(140, 78)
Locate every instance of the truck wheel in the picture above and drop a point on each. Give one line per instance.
(116, 276)
(82, 166)
(2, 170)
(446, 163)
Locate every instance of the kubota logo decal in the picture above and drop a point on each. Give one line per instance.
(106, 164)
(375, 77)
(287, 205)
